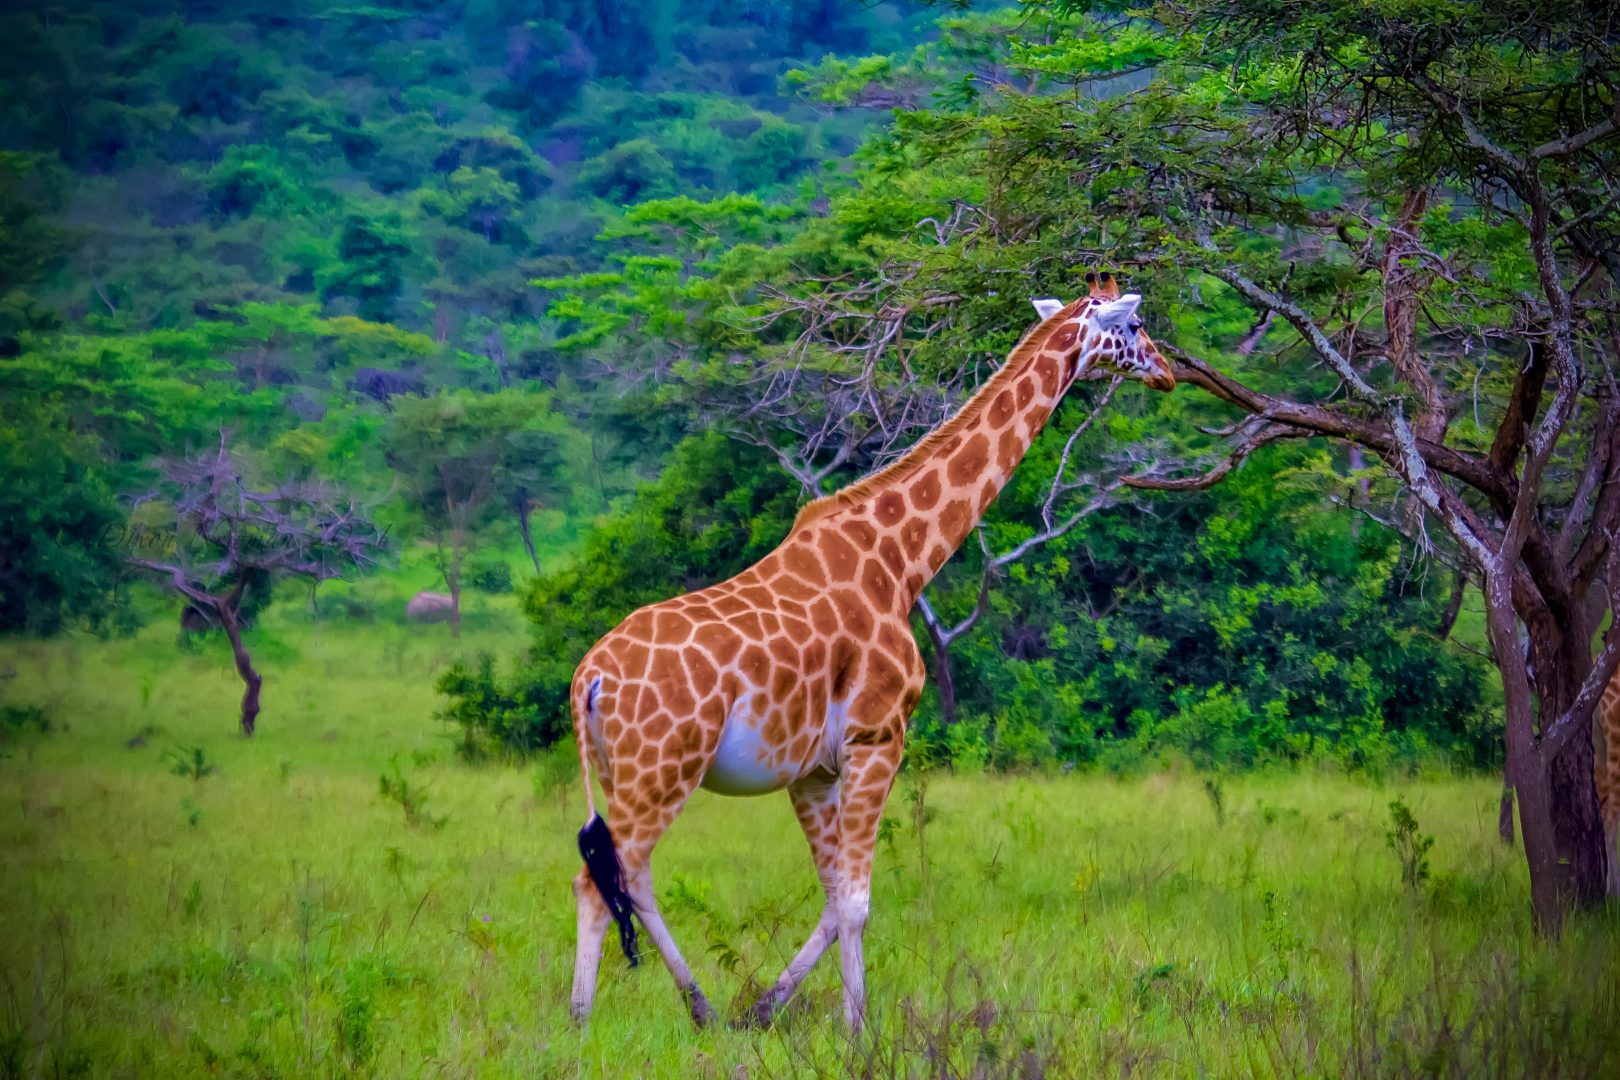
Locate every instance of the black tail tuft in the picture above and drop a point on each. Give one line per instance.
(602, 861)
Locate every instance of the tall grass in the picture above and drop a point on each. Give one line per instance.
(279, 916)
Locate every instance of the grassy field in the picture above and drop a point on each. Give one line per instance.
(281, 917)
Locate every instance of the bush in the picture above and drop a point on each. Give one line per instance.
(1021, 742)
(19, 720)
(1409, 844)
(1213, 729)
(967, 745)
(487, 573)
(496, 716)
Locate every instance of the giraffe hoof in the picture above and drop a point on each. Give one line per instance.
(702, 1011)
(758, 1016)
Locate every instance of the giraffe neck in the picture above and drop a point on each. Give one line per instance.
(915, 513)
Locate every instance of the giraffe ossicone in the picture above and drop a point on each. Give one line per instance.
(801, 672)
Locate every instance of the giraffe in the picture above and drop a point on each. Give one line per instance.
(1607, 768)
(801, 671)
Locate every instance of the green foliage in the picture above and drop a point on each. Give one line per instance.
(57, 514)
(190, 762)
(496, 715)
(32, 244)
(488, 573)
(410, 796)
(370, 265)
(461, 456)
(1410, 845)
(20, 721)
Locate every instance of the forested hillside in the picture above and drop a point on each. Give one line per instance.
(283, 218)
(623, 287)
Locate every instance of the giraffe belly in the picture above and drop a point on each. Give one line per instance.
(741, 764)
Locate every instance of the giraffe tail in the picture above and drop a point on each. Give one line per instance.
(596, 842)
(602, 862)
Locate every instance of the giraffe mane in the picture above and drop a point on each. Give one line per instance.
(922, 450)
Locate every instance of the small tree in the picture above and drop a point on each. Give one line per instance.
(456, 453)
(228, 533)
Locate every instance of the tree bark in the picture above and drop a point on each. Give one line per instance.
(244, 668)
(1571, 775)
(1577, 822)
(1504, 815)
(1554, 786)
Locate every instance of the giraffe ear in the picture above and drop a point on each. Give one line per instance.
(1047, 308)
(1115, 312)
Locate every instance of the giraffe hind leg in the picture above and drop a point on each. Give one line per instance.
(651, 784)
(641, 894)
(593, 923)
(649, 760)
(602, 864)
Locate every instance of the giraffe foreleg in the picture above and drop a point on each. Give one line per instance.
(869, 772)
(815, 804)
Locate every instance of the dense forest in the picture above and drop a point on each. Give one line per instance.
(602, 293)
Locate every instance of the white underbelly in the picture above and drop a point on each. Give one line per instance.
(740, 763)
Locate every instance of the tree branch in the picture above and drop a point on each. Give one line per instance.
(1263, 434)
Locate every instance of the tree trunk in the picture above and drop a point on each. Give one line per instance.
(453, 579)
(1549, 898)
(1556, 792)
(1563, 840)
(1504, 814)
(1448, 618)
(520, 505)
(1563, 659)
(244, 668)
(1577, 823)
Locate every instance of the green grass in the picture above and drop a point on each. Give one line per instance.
(280, 916)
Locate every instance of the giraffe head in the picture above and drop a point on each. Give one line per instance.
(1101, 332)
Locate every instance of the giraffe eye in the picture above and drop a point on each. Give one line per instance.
(1134, 326)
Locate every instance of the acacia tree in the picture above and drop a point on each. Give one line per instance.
(1479, 240)
(458, 454)
(228, 534)
(1416, 203)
